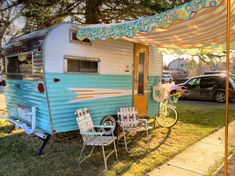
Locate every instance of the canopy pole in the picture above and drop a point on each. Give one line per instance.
(227, 89)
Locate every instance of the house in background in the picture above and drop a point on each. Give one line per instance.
(177, 64)
(178, 68)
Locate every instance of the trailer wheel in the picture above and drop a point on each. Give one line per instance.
(109, 120)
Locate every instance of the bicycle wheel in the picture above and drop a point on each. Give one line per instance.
(168, 116)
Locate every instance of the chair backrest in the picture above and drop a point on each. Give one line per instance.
(84, 120)
(128, 116)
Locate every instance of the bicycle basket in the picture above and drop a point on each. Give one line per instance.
(159, 93)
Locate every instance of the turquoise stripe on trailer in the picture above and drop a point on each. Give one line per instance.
(106, 94)
(26, 93)
(101, 94)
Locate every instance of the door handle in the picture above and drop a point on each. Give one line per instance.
(136, 78)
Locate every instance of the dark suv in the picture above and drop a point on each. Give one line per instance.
(206, 87)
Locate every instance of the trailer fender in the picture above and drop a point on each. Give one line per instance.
(109, 120)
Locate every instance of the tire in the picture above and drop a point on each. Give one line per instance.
(109, 120)
(220, 96)
(168, 116)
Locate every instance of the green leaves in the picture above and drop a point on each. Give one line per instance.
(44, 13)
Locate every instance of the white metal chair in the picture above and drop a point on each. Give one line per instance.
(91, 137)
(130, 122)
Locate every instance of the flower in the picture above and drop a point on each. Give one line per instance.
(177, 94)
(175, 97)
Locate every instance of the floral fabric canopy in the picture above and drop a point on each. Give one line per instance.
(186, 26)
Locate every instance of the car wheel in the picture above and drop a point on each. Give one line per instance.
(109, 120)
(220, 96)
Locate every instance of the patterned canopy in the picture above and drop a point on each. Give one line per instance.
(197, 23)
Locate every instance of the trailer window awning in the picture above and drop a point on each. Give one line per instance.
(197, 23)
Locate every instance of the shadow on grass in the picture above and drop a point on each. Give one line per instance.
(17, 150)
(18, 156)
(62, 151)
(167, 134)
(138, 152)
(160, 143)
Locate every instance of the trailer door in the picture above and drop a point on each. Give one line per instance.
(141, 59)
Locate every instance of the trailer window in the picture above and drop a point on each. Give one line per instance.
(82, 65)
(20, 64)
(141, 72)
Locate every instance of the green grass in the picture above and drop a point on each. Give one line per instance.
(17, 150)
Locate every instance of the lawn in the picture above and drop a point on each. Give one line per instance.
(17, 150)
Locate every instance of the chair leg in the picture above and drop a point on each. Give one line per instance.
(80, 160)
(154, 123)
(148, 138)
(105, 159)
(125, 141)
(80, 156)
(115, 148)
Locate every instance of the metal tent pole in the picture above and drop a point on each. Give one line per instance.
(228, 3)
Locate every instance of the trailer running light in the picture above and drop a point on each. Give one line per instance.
(40, 87)
(53, 131)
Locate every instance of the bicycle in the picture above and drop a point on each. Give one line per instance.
(168, 115)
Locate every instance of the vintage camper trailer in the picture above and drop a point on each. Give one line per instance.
(50, 73)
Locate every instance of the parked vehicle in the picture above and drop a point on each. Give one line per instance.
(208, 87)
(55, 73)
(214, 72)
(180, 80)
(219, 72)
(167, 78)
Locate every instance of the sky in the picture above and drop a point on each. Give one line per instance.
(19, 22)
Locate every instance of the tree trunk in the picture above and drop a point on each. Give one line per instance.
(2, 31)
(92, 14)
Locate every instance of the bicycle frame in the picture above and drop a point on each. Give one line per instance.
(166, 105)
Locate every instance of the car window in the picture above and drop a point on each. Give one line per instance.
(232, 83)
(220, 80)
(194, 82)
(232, 76)
(208, 81)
